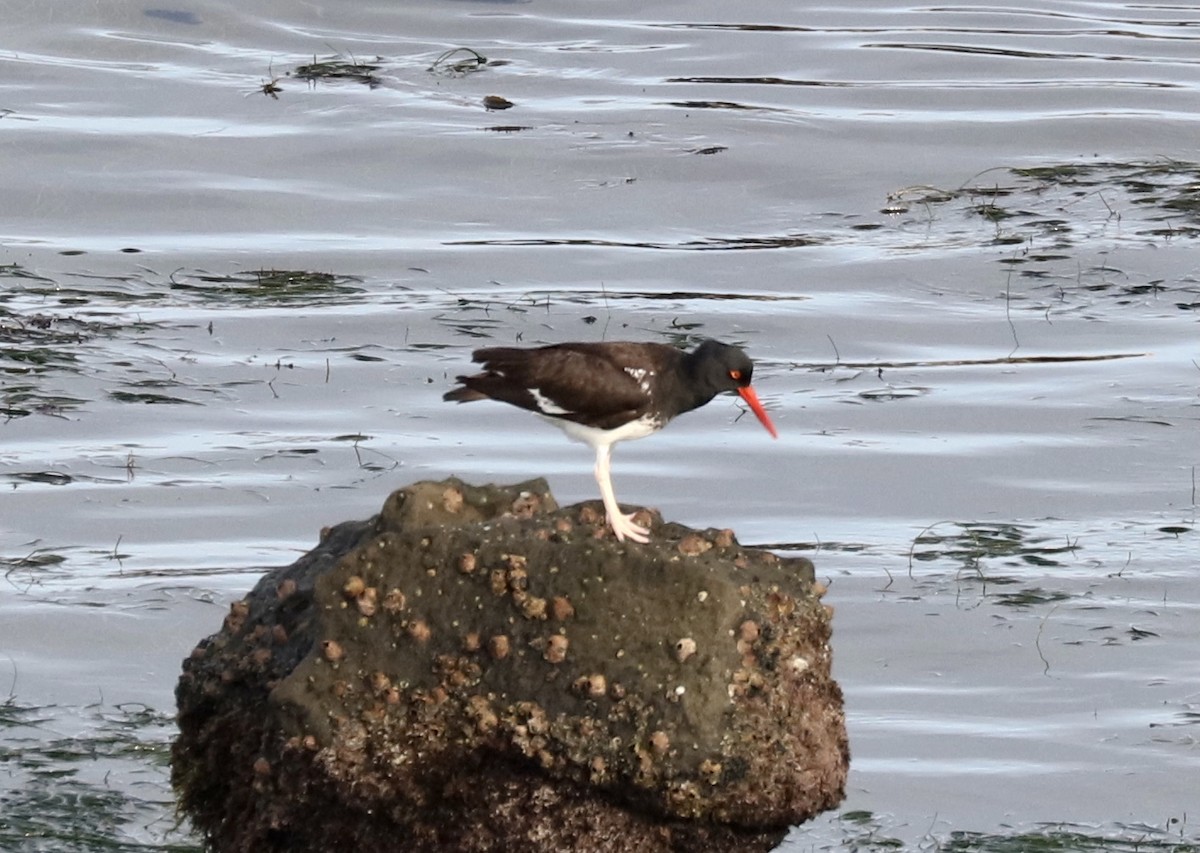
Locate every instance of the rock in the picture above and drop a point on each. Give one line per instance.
(476, 670)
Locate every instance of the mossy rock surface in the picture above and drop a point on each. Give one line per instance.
(475, 669)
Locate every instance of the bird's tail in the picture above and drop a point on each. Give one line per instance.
(463, 394)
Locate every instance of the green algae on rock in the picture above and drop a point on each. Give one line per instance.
(475, 669)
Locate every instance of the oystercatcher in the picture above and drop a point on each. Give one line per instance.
(604, 393)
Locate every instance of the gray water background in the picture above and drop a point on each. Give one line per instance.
(1008, 530)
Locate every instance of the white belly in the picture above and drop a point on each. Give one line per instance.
(594, 437)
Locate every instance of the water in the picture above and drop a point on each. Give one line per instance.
(985, 380)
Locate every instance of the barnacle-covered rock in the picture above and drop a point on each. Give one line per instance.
(477, 670)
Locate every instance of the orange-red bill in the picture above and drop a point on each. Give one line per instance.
(752, 401)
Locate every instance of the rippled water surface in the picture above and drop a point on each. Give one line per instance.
(960, 242)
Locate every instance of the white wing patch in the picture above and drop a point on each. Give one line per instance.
(641, 376)
(545, 405)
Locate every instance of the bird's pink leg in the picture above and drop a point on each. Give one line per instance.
(622, 524)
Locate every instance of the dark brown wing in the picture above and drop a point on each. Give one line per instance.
(602, 385)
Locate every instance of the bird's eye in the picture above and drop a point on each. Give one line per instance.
(735, 375)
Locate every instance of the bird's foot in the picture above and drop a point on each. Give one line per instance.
(625, 527)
